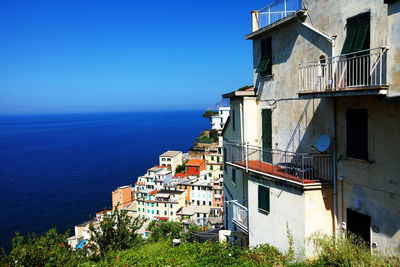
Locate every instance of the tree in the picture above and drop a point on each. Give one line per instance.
(180, 168)
(160, 230)
(116, 232)
(209, 113)
(214, 135)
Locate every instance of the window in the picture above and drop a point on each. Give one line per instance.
(163, 159)
(357, 133)
(156, 204)
(217, 205)
(185, 202)
(263, 198)
(212, 158)
(165, 212)
(209, 203)
(172, 213)
(211, 167)
(197, 169)
(168, 159)
(158, 212)
(165, 205)
(204, 203)
(217, 159)
(265, 65)
(198, 202)
(234, 176)
(357, 37)
(171, 206)
(152, 211)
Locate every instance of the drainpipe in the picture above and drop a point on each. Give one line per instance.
(335, 206)
(331, 39)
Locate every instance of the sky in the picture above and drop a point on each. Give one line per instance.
(86, 56)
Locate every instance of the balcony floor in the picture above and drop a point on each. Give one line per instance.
(350, 91)
(268, 168)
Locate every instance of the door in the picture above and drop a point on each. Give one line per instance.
(266, 135)
(359, 224)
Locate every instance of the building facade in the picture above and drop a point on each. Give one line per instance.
(318, 152)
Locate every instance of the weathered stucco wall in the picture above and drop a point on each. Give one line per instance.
(374, 183)
(287, 206)
(394, 51)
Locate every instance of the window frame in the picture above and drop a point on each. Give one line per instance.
(267, 208)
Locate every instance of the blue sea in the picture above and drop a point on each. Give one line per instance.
(55, 170)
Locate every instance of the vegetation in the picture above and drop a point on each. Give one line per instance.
(213, 135)
(164, 230)
(117, 231)
(128, 250)
(180, 168)
(245, 87)
(209, 113)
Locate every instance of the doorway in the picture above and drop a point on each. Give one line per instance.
(359, 224)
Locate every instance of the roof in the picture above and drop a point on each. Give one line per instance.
(241, 93)
(277, 24)
(163, 172)
(170, 153)
(165, 191)
(193, 209)
(180, 175)
(215, 220)
(195, 162)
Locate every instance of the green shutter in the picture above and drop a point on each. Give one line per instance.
(267, 134)
(262, 67)
(263, 198)
(359, 42)
(348, 43)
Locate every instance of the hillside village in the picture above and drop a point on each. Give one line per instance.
(183, 187)
(312, 147)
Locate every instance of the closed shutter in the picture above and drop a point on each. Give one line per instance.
(267, 135)
(263, 198)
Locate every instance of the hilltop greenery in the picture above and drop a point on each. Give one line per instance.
(209, 113)
(125, 248)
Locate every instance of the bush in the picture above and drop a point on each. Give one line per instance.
(164, 230)
(116, 232)
(348, 251)
(51, 249)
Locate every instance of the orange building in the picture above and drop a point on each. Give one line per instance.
(122, 196)
(195, 166)
(218, 194)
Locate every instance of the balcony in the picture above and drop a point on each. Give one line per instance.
(357, 73)
(240, 216)
(297, 168)
(274, 12)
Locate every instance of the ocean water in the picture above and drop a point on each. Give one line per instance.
(55, 170)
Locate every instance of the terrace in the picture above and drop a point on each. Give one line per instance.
(273, 12)
(295, 168)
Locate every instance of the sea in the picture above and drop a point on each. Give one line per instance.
(58, 170)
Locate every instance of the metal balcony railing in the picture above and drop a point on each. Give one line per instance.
(303, 168)
(240, 216)
(276, 11)
(357, 70)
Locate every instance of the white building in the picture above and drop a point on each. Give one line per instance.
(171, 159)
(201, 193)
(218, 121)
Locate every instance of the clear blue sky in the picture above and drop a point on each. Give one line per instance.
(80, 56)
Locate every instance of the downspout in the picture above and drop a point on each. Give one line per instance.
(331, 39)
(244, 144)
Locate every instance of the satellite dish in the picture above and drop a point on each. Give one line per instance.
(323, 143)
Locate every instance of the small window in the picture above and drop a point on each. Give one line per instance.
(225, 159)
(265, 65)
(357, 133)
(234, 176)
(263, 198)
(165, 212)
(211, 167)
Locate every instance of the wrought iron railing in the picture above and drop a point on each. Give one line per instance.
(240, 216)
(276, 11)
(362, 69)
(304, 168)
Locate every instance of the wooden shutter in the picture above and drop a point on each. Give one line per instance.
(267, 134)
(348, 43)
(359, 43)
(263, 198)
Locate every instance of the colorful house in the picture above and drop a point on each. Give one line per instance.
(194, 167)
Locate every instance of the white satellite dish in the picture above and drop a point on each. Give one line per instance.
(323, 143)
